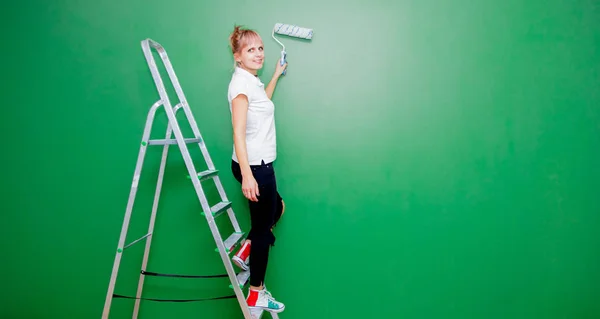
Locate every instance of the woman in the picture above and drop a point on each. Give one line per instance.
(254, 152)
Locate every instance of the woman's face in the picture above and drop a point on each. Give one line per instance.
(251, 57)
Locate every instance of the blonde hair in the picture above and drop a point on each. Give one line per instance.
(239, 38)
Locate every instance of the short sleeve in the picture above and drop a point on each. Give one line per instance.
(236, 87)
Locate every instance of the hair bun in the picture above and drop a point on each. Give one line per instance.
(240, 37)
(234, 38)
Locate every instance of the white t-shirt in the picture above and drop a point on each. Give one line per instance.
(261, 142)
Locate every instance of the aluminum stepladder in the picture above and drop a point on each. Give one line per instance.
(211, 212)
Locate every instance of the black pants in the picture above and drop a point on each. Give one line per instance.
(264, 215)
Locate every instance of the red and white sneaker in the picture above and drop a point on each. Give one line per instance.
(263, 300)
(242, 257)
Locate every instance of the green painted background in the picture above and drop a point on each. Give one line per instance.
(439, 159)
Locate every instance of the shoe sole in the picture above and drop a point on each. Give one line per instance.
(240, 263)
(268, 309)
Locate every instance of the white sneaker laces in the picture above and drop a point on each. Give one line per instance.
(268, 293)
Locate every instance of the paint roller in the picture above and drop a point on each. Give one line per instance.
(292, 31)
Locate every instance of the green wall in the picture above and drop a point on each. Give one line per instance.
(438, 158)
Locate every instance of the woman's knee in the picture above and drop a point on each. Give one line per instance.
(282, 207)
(263, 239)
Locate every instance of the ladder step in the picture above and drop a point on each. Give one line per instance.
(242, 278)
(173, 141)
(219, 208)
(232, 240)
(258, 313)
(207, 174)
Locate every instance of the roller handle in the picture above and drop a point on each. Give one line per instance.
(283, 61)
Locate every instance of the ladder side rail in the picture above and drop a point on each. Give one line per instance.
(129, 209)
(183, 100)
(175, 125)
(157, 193)
(191, 170)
